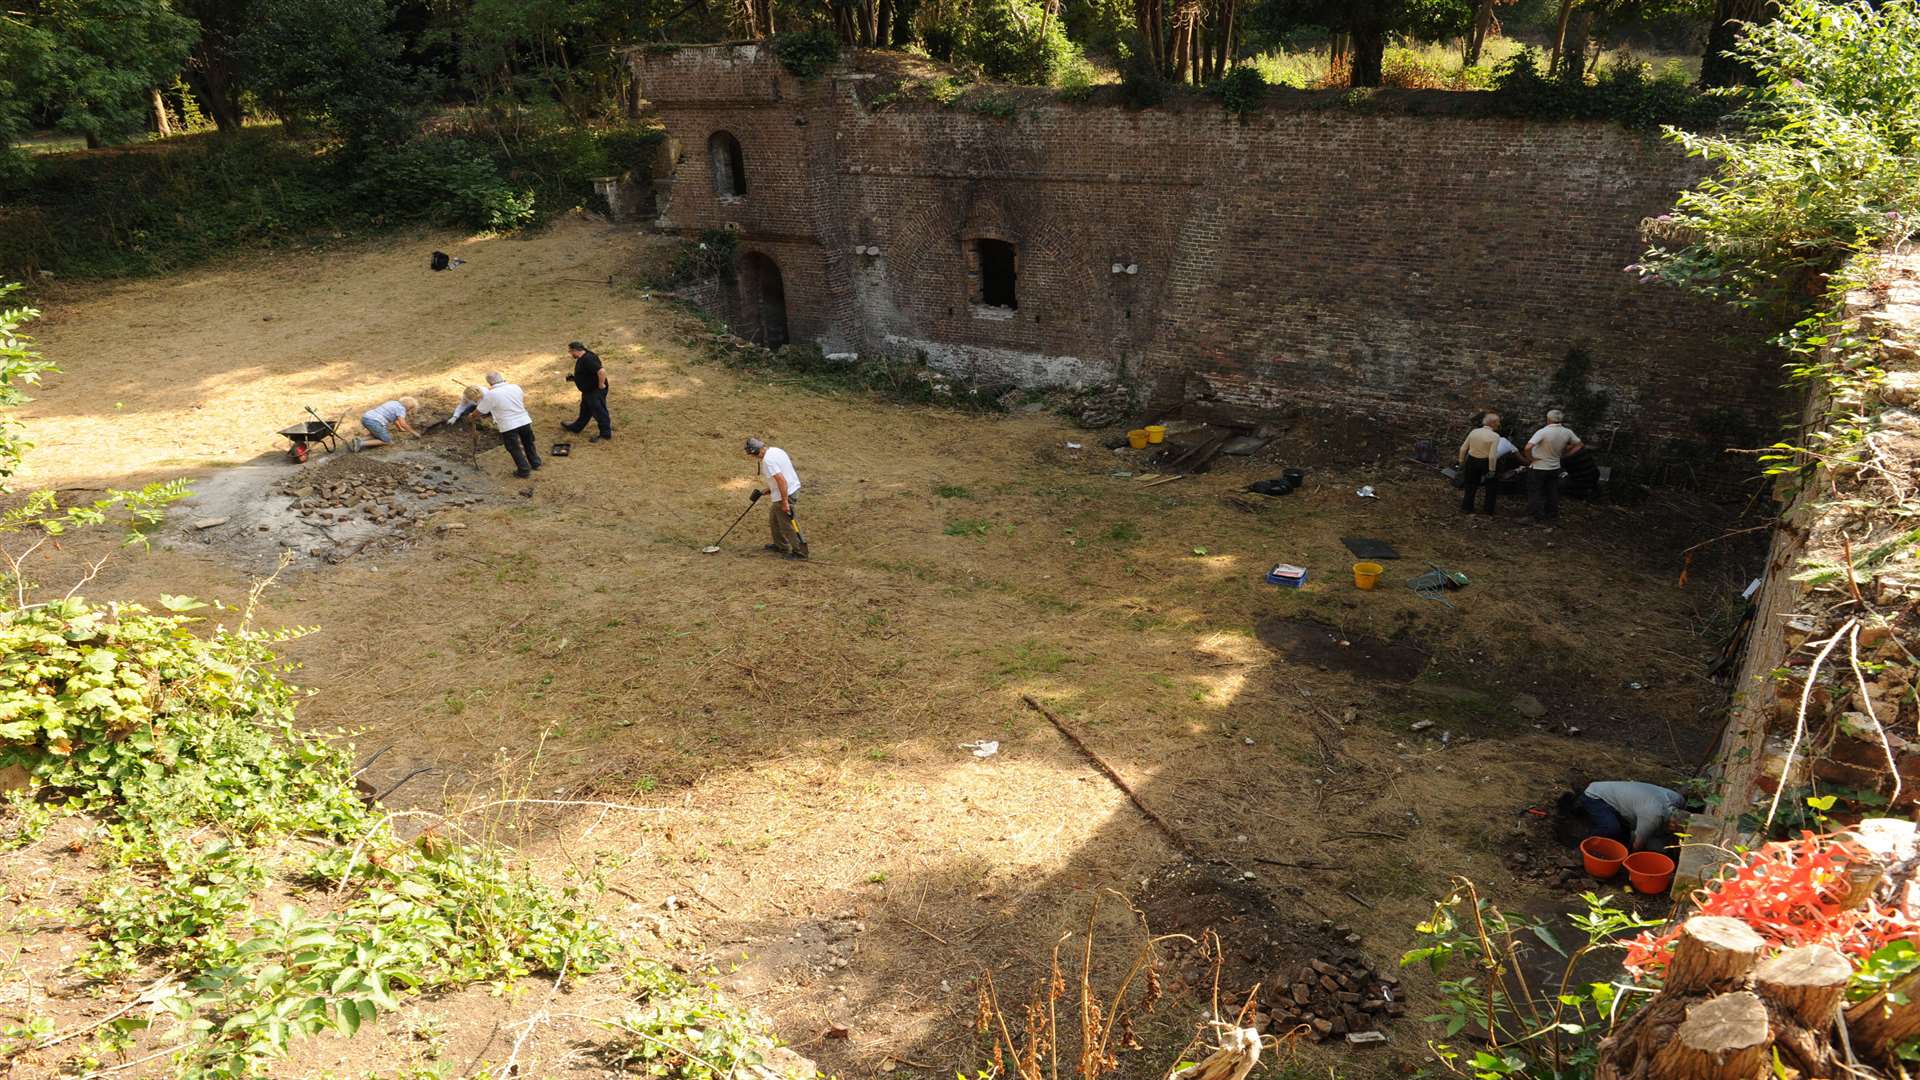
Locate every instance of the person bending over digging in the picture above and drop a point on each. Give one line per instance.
(506, 406)
(783, 487)
(381, 419)
(1625, 810)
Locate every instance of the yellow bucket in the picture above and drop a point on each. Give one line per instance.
(1367, 574)
(1156, 433)
(1137, 438)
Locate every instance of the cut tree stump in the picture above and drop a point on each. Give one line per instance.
(1724, 1038)
(1878, 1025)
(1806, 983)
(1713, 951)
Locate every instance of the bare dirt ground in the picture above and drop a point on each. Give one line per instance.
(815, 835)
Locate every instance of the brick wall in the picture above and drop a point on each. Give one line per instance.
(1405, 267)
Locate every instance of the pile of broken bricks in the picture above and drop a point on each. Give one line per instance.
(382, 498)
(1327, 1001)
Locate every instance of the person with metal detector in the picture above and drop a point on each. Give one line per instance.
(783, 487)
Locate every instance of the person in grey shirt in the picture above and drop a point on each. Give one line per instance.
(1625, 810)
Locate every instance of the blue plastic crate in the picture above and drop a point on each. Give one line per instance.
(1287, 576)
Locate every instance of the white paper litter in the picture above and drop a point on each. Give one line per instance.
(985, 748)
(1366, 492)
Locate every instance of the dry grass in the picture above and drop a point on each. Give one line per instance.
(798, 724)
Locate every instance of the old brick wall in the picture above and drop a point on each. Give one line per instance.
(1406, 267)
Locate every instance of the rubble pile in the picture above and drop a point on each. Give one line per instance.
(1333, 1000)
(377, 492)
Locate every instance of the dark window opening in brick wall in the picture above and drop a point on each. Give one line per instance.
(729, 167)
(997, 267)
(764, 300)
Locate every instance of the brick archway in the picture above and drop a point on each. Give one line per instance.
(763, 300)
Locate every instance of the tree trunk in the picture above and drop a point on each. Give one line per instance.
(1369, 54)
(212, 82)
(1227, 56)
(162, 126)
(1718, 65)
(1477, 33)
(1555, 58)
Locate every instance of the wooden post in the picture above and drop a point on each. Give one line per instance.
(1725, 1038)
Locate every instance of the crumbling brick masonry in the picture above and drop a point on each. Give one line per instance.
(1380, 262)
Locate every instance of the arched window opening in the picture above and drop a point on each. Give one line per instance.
(729, 167)
(997, 269)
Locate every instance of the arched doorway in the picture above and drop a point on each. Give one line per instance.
(763, 300)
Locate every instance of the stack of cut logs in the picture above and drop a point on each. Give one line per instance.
(1332, 1000)
(1730, 1011)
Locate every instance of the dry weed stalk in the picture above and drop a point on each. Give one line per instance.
(1106, 1025)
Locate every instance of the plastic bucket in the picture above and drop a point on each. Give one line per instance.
(1602, 856)
(1137, 438)
(1649, 872)
(1156, 433)
(1295, 477)
(1367, 574)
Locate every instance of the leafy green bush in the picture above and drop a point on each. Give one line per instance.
(1242, 90)
(806, 53)
(1002, 39)
(1141, 84)
(630, 149)
(1627, 93)
(1825, 165)
(711, 256)
(332, 65)
(450, 179)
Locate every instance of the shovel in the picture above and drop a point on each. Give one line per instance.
(715, 546)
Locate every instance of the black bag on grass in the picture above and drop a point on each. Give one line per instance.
(439, 260)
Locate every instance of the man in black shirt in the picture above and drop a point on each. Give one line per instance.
(590, 378)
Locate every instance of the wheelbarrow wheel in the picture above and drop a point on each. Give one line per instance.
(298, 453)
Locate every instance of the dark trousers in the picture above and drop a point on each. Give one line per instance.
(593, 409)
(786, 535)
(520, 444)
(1543, 493)
(1478, 474)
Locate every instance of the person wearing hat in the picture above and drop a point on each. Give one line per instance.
(380, 418)
(506, 406)
(590, 378)
(783, 487)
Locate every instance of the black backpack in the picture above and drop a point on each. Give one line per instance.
(439, 260)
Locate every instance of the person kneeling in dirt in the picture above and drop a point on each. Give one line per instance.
(783, 487)
(1628, 811)
(379, 419)
(469, 399)
(506, 406)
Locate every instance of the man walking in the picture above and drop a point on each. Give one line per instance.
(783, 487)
(590, 378)
(1543, 453)
(506, 405)
(1479, 455)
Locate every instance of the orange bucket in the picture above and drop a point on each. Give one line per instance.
(1602, 856)
(1137, 438)
(1649, 872)
(1367, 574)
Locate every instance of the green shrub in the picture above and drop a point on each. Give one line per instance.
(806, 53)
(711, 256)
(1141, 84)
(1627, 93)
(450, 179)
(1000, 38)
(631, 150)
(1242, 90)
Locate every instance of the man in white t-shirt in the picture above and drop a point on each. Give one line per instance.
(1543, 453)
(783, 487)
(506, 406)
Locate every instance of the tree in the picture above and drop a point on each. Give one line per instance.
(1721, 64)
(93, 64)
(1015, 41)
(332, 65)
(1368, 24)
(213, 68)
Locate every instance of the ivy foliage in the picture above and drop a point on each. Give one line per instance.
(806, 53)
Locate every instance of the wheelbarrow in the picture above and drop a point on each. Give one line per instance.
(306, 434)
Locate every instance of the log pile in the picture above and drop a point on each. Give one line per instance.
(1732, 1008)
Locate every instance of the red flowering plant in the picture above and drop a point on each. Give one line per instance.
(1792, 893)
